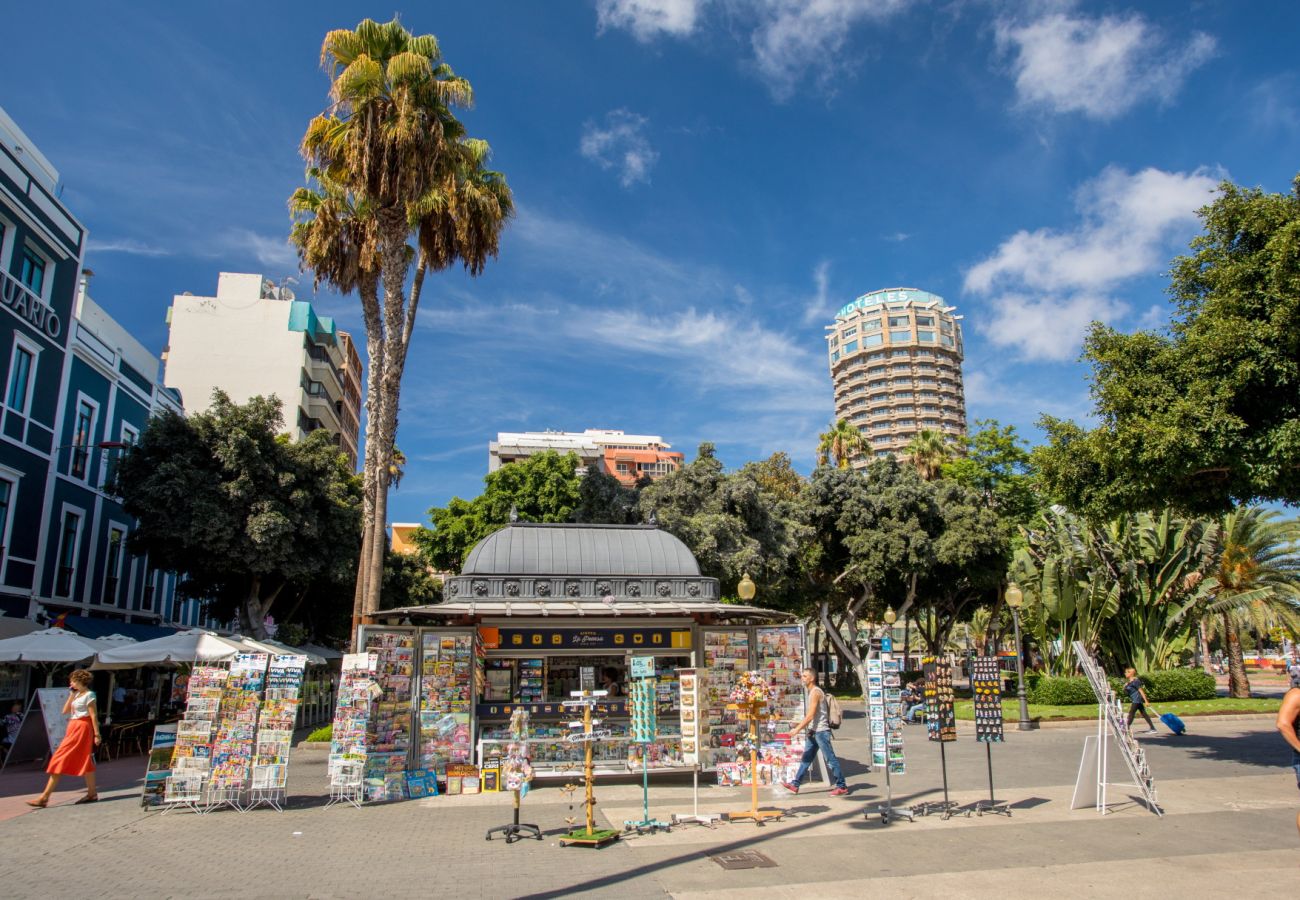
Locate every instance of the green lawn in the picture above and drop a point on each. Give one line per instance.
(1011, 708)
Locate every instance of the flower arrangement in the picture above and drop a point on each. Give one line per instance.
(752, 689)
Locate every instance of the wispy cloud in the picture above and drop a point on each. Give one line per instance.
(273, 252)
(818, 307)
(1045, 286)
(129, 246)
(1100, 67)
(896, 237)
(647, 19)
(620, 143)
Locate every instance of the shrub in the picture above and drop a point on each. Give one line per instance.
(324, 733)
(1179, 684)
(1055, 691)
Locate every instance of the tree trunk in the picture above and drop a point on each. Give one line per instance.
(1238, 683)
(253, 612)
(1202, 646)
(376, 365)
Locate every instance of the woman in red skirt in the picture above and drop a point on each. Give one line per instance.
(76, 753)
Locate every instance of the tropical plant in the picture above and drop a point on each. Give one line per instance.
(390, 164)
(840, 444)
(1255, 583)
(928, 451)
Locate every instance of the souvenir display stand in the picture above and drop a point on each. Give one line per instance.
(643, 704)
(689, 709)
(191, 763)
(516, 773)
(275, 730)
(585, 733)
(884, 691)
(347, 760)
(941, 727)
(1093, 779)
(751, 697)
(986, 688)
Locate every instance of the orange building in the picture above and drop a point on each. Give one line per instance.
(630, 465)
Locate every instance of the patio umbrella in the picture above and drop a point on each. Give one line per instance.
(53, 645)
(110, 641)
(183, 647)
(313, 659)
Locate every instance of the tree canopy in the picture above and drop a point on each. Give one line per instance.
(248, 518)
(1207, 414)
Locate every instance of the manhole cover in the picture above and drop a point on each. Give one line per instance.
(745, 859)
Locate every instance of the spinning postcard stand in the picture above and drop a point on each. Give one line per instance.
(986, 687)
(516, 773)
(643, 706)
(750, 698)
(885, 718)
(585, 733)
(941, 725)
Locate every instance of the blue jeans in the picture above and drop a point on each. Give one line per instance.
(819, 740)
(1295, 764)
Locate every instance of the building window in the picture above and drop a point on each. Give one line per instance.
(851, 347)
(81, 437)
(898, 322)
(900, 337)
(6, 501)
(925, 336)
(925, 320)
(835, 356)
(32, 272)
(871, 325)
(20, 378)
(113, 565)
(67, 555)
(872, 340)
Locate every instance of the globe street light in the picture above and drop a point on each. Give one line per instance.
(746, 588)
(1016, 599)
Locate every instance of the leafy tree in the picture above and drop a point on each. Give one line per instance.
(1207, 415)
(407, 582)
(390, 164)
(840, 444)
(247, 517)
(928, 451)
(995, 463)
(604, 500)
(776, 476)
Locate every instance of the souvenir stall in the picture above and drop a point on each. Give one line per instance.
(541, 611)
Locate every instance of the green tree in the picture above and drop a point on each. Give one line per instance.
(604, 500)
(840, 444)
(994, 462)
(248, 518)
(407, 582)
(1207, 415)
(927, 452)
(1254, 585)
(391, 165)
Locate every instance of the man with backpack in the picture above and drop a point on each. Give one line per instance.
(823, 714)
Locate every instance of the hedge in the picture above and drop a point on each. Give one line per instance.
(324, 733)
(1167, 686)
(1060, 691)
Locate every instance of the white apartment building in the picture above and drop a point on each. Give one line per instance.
(254, 338)
(627, 457)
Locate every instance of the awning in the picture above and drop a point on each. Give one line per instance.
(98, 628)
(594, 608)
(11, 627)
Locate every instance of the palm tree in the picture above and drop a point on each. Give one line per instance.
(928, 451)
(841, 443)
(1255, 584)
(390, 150)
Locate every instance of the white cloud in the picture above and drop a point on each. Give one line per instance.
(126, 245)
(1045, 286)
(621, 144)
(647, 19)
(275, 253)
(1100, 67)
(817, 309)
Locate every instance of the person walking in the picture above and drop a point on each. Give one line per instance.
(816, 726)
(1137, 698)
(76, 753)
(1288, 723)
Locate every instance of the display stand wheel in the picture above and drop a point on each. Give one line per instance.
(516, 830)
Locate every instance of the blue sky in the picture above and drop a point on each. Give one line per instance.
(701, 184)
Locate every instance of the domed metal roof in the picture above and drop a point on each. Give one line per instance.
(592, 550)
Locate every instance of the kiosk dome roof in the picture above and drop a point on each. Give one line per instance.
(540, 549)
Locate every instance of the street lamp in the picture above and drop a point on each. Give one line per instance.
(1015, 599)
(746, 588)
(890, 616)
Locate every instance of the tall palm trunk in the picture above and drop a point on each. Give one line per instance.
(1238, 683)
(376, 358)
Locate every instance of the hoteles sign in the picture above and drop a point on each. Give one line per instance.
(585, 638)
(25, 305)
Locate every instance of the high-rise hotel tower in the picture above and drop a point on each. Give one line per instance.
(895, 358)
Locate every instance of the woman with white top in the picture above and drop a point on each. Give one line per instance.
(76, 753)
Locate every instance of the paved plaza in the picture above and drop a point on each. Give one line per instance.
(1230, 802)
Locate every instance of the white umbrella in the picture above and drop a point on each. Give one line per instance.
(313, 659)
(183, 647)
(51, 645)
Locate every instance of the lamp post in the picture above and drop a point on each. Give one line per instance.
(1015, 599)
(745, 590)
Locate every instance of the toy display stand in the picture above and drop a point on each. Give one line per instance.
(586, 735)
(755, 713)
(644, 720)
(516, 830)
(995, 807)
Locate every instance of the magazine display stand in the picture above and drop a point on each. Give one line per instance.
(232, 748)
(1093, 779)
(643, 704)
(192, 754)
(275, 731)
(516, 773)
(885, 718)
(986, 687)
(941, 727)
(585, 732)
(347, 761)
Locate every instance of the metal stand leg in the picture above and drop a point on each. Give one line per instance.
(946, 807)
(515, 831)
(991, 805)
(888, 812)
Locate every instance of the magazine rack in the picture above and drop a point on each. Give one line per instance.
(347, 784)
(756, 713)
